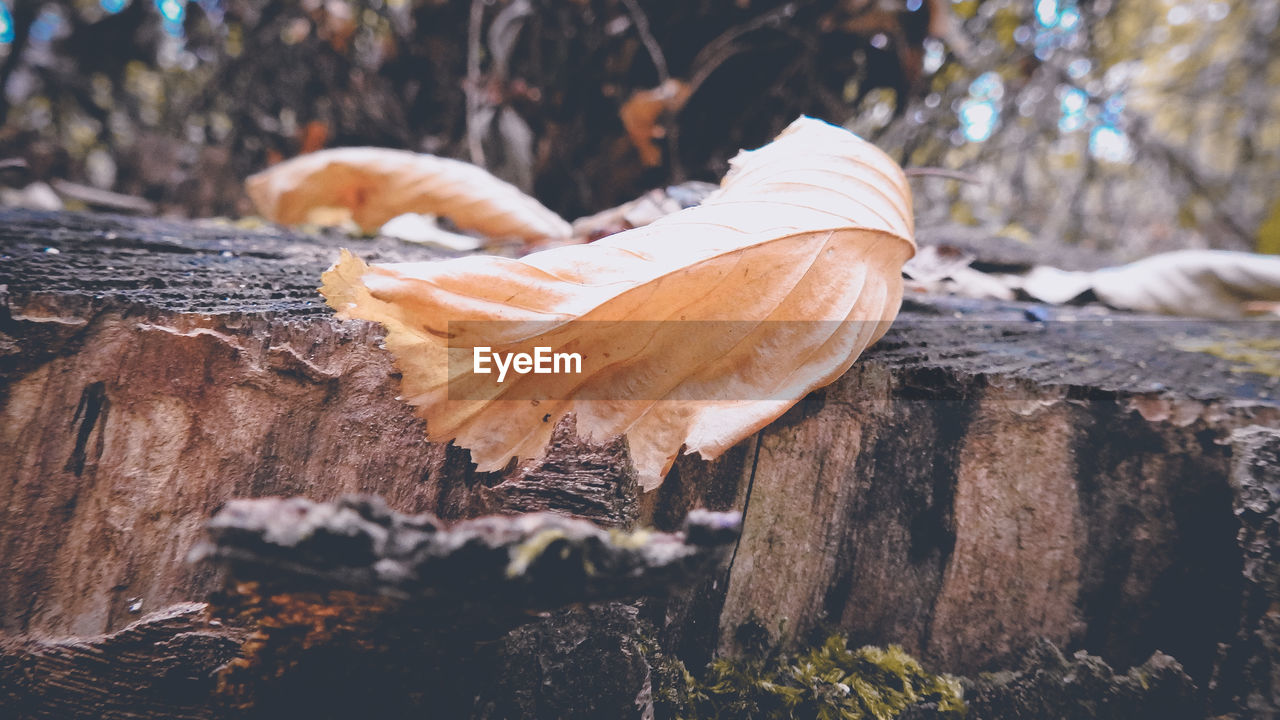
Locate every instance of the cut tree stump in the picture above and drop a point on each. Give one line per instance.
(988, 474)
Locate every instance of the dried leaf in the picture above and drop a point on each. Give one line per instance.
(1055, 286)
(335, 24)
(1203, 283)
(314, 135)
(640, 115)
(935, 263)
(1262, 307)
(945, 269)
(423, 229)
(377, 184)
(696, 330)
(643, 210)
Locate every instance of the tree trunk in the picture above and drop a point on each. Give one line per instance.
(981, 478)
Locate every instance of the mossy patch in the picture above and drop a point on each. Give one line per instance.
(1255, 355)
(1269, 231)
(828, 682)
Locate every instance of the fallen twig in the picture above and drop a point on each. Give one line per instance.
(646, 36)
(942, 173)
(104, 199)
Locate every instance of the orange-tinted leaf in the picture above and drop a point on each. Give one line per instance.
(377, 184)
(640, 115)
(696, 330)
(314, 136)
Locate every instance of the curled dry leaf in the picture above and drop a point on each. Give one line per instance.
(1206, 283)
(1203, 283)
(378, 184)
(696, 330)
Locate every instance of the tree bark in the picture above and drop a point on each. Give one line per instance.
(980, 479)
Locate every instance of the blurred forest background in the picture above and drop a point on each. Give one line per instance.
(1133, 126)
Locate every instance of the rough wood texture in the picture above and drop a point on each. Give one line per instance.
(1049, 685)
(162, 666)
(420, 608)
(513, 564)
(979, 479)
(1248, 675)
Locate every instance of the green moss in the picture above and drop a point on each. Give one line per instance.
(1258, 355)
(670, 680)
(1269, 231)
(829, 682)
(635, 539)
(523, 555)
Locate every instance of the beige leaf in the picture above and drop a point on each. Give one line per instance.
(378, 184)
(643, 210)
(1217, 284)
(641, 112)
(1204, 283)
(696, 330)
(423, 229)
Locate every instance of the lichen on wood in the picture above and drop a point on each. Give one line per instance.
(829, 681)
(523, 562)
(352, 606)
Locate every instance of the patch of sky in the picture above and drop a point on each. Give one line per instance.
(1108, 141)
(1057, 25)
(987, 86)
(6, 24)
(1112, 108)
(1069, 18)
(1047, 12)
(934, 54)
(979, 113)
(1111, 144)
(173, 12)
(978, 119)
(1073, 102)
